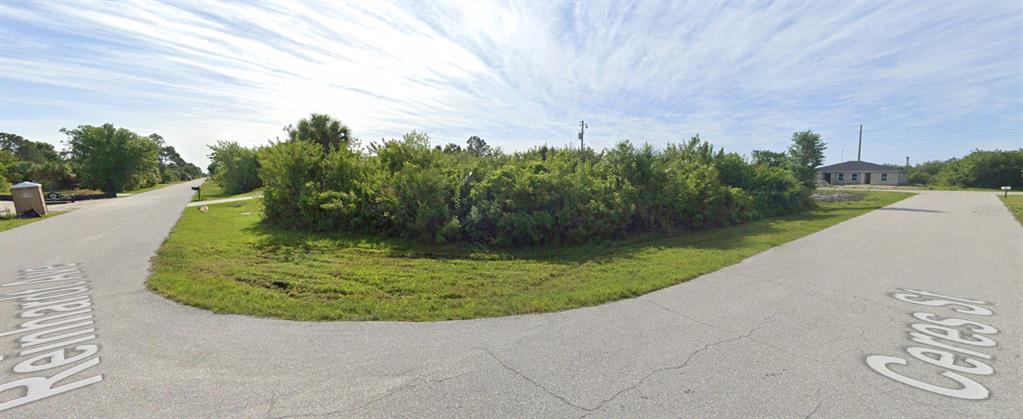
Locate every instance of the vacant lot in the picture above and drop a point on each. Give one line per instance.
(227, 261)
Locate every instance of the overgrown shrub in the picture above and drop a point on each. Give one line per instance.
(291, 172)
(979, 169)
(235, 167)
(405, 188)
(53, 175)
(984, 169)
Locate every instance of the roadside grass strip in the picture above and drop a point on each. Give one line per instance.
(211, 190)
(227, 261)
(1015, 205)
(10, 223)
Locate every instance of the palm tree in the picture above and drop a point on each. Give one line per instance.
(323, 130)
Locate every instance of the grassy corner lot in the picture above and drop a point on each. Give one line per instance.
(1015, 205)
(227, 261)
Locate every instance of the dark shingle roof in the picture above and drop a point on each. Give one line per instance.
(859, 166)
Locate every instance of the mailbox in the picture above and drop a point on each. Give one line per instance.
(28, 196)
(1006, 188)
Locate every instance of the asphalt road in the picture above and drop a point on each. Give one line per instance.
(786, 333)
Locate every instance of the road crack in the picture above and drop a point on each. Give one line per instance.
(659, 370)
(531, 381)
(273, 399)
(820, 401)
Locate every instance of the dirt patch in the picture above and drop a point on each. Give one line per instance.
(836, 196)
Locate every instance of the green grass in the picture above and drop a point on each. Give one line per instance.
(1015, 205)
(226, 260)
(9, 223)
(212, 190)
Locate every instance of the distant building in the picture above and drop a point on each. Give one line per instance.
(861, 172)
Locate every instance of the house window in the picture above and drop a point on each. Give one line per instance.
(884, 177)
(841, 176)
(855, 177)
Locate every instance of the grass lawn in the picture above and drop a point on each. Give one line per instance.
(212, 190)
(9, 223)
(226, 260)
(1015, 205)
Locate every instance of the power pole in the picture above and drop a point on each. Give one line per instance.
(859, 151)
(907, 162)
(582, 130)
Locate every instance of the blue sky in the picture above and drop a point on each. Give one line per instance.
(929, 80)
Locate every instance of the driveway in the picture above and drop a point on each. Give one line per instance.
(785, 333)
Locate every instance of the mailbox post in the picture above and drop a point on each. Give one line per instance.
(196, 188)
(1006, 189)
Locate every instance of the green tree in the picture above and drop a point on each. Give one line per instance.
(6, 159)
(28, 150)
(235, 167)
(112, 159)
(769, 158)
(27, 160)
(477, 146)
(806, 153)
(925, 173)
(288, 169)
(323, 130)
(984, 169)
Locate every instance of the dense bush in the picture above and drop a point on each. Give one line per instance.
(926, 173)
(405, 188)
(234, 167)
(53, 175)
(979, 169)
(984, 169)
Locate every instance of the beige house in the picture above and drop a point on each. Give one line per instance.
(861, 173)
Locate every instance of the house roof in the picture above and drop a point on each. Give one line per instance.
(858, 166)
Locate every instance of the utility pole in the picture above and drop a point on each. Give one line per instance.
(582, 130)
(907, 162)
(859, 151)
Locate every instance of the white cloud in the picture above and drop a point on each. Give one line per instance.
(743, 75)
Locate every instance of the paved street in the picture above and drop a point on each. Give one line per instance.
(786, 333)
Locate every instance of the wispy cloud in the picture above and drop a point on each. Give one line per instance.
(927, 80)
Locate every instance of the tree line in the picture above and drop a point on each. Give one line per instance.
(321, 179)
(979, 169)
(97, 157)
